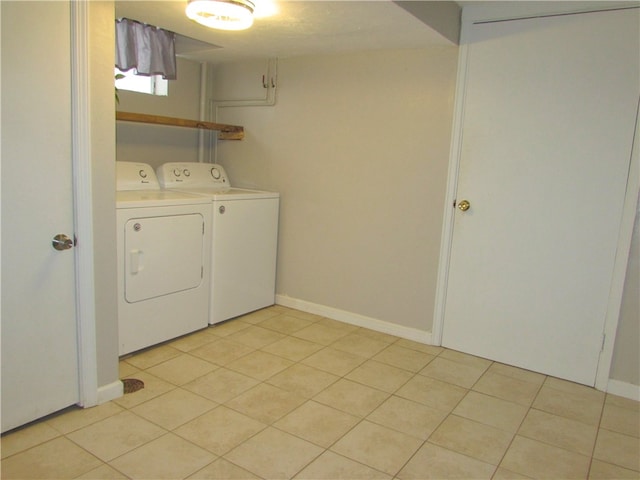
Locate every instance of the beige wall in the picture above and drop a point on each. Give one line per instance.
(626, 355)
(101, 40)
(358, 147)
(153, 144)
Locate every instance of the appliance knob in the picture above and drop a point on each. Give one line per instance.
(176, 172)
(142, 174)
(215, 173)
(222, 209)
(186, 172)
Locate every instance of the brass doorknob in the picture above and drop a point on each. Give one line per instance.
(464, 205)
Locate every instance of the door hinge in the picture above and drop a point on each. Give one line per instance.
(201, 272)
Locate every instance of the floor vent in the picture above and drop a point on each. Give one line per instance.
(132, 385)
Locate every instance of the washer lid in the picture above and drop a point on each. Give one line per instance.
(192, 175)
(230, 193)
(155, 198)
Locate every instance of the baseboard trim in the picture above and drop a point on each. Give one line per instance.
(356, 319)
(624, 389)
(110, 391)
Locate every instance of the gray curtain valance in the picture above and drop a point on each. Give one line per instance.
(148, 49)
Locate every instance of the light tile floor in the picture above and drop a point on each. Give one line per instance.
(284, 394)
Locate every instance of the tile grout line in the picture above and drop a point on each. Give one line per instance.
(515, 433)
(343, 377)
(361, 419)
(426, 440)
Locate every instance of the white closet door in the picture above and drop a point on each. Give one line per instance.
(39, 340)
(549, 116)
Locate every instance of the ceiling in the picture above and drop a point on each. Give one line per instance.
(303, 27)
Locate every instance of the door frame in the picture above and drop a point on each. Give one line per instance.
(470, 16)
(83, 206)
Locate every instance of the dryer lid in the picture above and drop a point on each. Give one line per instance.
(135, 176)
(156, 198)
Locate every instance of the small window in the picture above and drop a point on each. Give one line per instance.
(154, 85)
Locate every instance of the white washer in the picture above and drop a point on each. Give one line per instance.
(244, 237)
(164, 244)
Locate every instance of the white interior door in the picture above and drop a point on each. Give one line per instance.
(39, 341)
(549, 115)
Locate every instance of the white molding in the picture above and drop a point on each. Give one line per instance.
(110, 391)
(83, 204)
(499, 11)
(356, 319)
(624, 389)
(448, 218)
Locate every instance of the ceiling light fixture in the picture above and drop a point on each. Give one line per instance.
(222, 14)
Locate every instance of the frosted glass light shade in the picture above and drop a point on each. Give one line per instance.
(221, 14)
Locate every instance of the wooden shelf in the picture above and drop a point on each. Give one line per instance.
(225, 132)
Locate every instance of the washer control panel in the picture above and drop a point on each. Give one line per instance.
(135, 176)
(192, 175)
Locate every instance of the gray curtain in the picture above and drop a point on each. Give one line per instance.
(148, 49)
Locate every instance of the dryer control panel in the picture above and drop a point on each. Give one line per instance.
(135, 176)
(192, 175)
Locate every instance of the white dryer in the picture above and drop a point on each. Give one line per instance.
(163, 244)
(244, 237)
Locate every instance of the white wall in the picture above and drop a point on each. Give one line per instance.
(358, 147)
